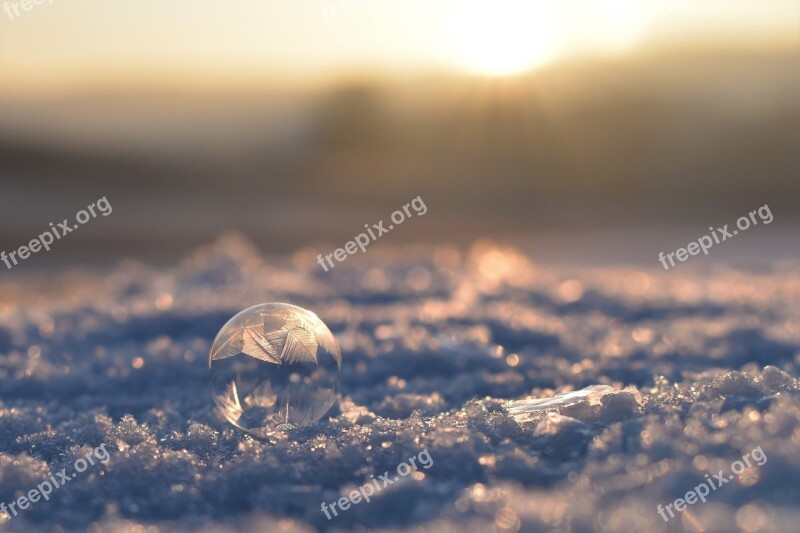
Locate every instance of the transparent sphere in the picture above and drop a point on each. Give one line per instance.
(274, 367)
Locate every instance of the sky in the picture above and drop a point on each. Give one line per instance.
(63, 42)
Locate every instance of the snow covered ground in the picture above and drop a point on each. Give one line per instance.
(442, 350)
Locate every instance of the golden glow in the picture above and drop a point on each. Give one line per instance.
(504, 38)
(54, 47)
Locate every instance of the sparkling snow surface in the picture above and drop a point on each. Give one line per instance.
(661, 377)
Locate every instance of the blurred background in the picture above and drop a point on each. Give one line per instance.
(582, 131)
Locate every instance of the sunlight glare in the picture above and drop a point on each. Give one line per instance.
(503, 38)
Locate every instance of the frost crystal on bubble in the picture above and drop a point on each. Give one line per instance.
(274, 367)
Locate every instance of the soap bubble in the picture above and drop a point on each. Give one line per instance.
(274, 367)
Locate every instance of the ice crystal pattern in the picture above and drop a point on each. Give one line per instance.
(274, 367)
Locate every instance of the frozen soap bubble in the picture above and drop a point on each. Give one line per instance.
(274, 367)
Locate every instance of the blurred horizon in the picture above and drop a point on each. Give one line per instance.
(185, 42)
(572, 125)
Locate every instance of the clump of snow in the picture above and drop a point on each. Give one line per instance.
(597, 403)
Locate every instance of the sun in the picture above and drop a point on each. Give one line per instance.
(503, 38)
